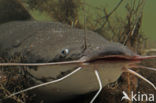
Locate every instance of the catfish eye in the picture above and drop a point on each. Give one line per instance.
(65, 52)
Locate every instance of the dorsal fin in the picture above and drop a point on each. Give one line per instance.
(12, 10)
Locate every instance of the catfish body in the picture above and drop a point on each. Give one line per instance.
(46, 42)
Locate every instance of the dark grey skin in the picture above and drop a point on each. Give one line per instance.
(46, 41)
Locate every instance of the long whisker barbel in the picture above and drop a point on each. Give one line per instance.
(47, 83)
(141, 77)
(100, 86)
(41, 64)
(144, 67)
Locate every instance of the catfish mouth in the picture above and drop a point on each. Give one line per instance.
(119, 58)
